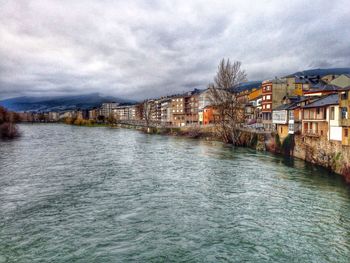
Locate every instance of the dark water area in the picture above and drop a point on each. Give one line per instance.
(78, 194)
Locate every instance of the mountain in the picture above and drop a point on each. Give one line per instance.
(321, 72)
(86, 101)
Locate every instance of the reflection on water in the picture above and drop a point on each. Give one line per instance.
(112, 195)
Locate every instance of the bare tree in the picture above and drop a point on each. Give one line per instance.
(223, 98)
(144, 112)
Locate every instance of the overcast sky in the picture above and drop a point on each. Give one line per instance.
(141, 49)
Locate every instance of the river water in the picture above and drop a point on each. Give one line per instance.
(78, 194)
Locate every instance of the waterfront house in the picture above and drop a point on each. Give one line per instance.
(178, 110)
(192, 107)
(203, 101)
(184, 108)
(165, 108)
(319, 118)
(210, 115)
(344, 104)
(253, 109)
(273, 92)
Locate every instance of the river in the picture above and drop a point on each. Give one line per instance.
(78, 194)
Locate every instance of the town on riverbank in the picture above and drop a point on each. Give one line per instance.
(304, 114)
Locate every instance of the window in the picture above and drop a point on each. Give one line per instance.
(268, 97)
(346, 133)
(268, 106)
(344, 112)
(318, 111)
(291, 127)
(264, 97)
(344, 95)
(291, 115)
(332, 113)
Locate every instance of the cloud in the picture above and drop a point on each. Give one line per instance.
(141, 49)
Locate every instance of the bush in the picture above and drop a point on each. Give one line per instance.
(8, 128)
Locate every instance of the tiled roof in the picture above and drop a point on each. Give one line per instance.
(323, 87)
(332, 99)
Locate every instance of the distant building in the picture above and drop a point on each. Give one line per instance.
(107, 108)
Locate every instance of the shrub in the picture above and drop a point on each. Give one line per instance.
(8, 128)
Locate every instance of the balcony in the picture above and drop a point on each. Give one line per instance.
(311, 133)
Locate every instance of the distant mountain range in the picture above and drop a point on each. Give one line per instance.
(62, 103)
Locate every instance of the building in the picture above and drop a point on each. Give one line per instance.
(125, 113)
(253, 115)
(316, 118)
(107, 108)
(178, 116)
(280, 119)
(93, 114)
(192, 107)
(321, 89)
(273, 92)
(342, 81)
(209, 115)
(165, 108)
(54, 116)
(344, 105)
(203, 101)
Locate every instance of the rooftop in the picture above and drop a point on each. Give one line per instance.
(332, 99)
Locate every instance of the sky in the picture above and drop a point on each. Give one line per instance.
(144, 49)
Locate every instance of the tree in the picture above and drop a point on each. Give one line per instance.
(223, 97)
(145, 112)
(111, 119)
(8, 128)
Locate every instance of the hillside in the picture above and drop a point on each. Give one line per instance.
(59, 103)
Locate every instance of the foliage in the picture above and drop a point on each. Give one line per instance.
(8, 128)
(111, 119)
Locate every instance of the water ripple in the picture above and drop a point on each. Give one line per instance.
(75, 194)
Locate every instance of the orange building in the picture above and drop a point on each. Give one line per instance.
(208, 115)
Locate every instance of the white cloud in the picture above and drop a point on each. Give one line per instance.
(141, 49)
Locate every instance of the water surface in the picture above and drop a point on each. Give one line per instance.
(78, 194)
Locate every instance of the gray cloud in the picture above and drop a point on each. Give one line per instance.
(140, 49)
